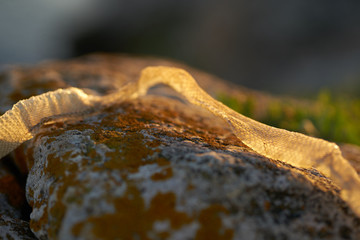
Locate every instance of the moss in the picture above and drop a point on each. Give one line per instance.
(328, 116)
(246, 107)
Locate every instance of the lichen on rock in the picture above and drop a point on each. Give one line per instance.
(158, 167)
(154, 168)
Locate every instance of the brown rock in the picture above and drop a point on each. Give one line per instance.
(160, 168)
(12, 201)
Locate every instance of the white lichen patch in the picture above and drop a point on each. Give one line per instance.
(186, 232)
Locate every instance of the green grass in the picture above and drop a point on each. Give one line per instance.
(335, 118)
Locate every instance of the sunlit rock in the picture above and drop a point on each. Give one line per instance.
(160, 168)
(157, 168)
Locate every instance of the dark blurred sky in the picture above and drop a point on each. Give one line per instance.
(283, 46)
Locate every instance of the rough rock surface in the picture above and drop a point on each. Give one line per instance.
(12, 200)
(159, 168)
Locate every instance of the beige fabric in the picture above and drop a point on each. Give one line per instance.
(16, 124)
(294, 148)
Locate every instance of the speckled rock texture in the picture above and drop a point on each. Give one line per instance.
(13, 224)
(156, 168)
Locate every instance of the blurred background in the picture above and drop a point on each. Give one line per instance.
(282, 46)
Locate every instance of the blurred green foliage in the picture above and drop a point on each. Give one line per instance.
(329, 116)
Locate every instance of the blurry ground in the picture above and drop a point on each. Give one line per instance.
(292, 47)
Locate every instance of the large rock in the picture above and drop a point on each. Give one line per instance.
(160, 168)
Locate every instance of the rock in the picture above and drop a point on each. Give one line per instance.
(157, 168)
(14, 228)
(160, 168)
(12, 200)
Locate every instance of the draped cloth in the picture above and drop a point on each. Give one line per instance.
(20, 124)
